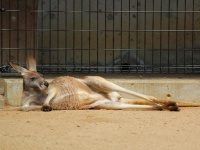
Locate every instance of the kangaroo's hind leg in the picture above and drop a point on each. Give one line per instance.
(104, 86)
(165, 104)
(113, 105)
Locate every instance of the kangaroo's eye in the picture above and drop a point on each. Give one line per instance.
(32, 78)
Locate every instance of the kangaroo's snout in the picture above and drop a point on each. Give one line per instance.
(43, 85)
(46, 83)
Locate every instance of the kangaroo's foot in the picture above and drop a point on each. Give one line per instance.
(46, 108)
(171, 106)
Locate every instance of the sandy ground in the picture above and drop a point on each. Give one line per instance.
(100, 129)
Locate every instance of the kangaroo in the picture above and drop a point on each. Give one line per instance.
(89, 92)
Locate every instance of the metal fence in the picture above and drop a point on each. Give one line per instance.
(111, 36)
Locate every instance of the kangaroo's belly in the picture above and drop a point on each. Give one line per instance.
(72, 94)
(67, 102)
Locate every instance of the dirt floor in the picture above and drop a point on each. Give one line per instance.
(100, 129)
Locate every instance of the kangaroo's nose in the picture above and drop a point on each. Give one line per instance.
(46, 84)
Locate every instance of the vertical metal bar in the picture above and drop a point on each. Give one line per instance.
(66, 12)
(74, 53)
(42, 37)
(58, 37)
(82, 35)
(50, 38)
(137, 36)
(121, 14)
(17, 30)
(193, 38)
(10, 29)
(184, 32)
(161, 37)
(153, 38)
(105, 70)
(113, 38)
(168, 51)
(1, 34)
(184, 61)
(89, 36)
(129, 37)
(9, 51)
(97, 36)
(26, 31)
(145, 33)
(177, 17)
(34, 35)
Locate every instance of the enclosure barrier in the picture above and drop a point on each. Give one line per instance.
(107, 36)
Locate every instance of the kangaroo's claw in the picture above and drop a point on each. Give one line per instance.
(171, 106)
(46, 108)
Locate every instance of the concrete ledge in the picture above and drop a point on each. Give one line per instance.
(2, 98)
(2, 101)
(13, 90)
(184, 88)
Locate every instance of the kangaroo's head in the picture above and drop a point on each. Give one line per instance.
(32, 80)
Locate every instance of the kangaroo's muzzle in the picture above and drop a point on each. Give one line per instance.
(46, 83)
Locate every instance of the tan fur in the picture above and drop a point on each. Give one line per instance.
(89, 92)
(144, 102)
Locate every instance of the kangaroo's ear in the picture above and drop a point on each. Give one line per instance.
(31, 63)
(19, 69)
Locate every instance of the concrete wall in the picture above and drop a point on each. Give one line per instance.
(12, 91)
(2, 98)
(92, 48)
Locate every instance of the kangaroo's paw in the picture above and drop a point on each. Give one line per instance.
(46, 108)
(168, 105)
(171, 106)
